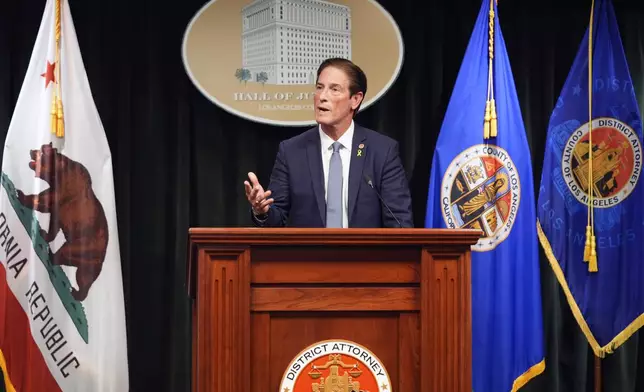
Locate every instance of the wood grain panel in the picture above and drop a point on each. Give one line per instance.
(260, 351)
(223, 325)
(364, 268)
(323, 254)
(291, 333)
(445, 290)
(409, 352)
(332, 299)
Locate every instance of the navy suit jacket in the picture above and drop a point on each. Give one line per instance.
(297, 183)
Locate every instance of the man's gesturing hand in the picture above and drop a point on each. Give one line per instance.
(257, 197)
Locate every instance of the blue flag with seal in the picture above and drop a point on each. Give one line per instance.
(481, 178)
(593, 240)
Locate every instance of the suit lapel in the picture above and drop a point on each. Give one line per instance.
(358, 154)
(313, 151)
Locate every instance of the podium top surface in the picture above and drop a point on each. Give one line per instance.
(322, 236)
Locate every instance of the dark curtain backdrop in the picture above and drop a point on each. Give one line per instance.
(180, 161)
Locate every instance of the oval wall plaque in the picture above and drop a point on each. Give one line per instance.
(258, 59)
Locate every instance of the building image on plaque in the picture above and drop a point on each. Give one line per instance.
(284, 42)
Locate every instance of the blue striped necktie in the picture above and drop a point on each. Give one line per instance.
(334, 189)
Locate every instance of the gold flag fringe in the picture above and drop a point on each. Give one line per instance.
(619, 339)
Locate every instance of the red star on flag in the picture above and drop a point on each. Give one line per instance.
(49, 74)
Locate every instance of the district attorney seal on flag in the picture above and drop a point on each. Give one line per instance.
(481, 190)
(617, 162)
(324, 366)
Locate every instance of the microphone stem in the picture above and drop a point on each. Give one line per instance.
(385, 204)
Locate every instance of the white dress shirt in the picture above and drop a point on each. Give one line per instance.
(345, 155)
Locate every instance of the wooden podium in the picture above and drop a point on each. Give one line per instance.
(263, 295)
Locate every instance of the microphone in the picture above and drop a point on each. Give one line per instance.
(370, 183)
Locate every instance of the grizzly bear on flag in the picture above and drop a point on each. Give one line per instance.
(75, 210)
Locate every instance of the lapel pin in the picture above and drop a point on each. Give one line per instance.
(361, 145)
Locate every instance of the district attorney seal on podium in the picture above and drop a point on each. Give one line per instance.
(335, 365)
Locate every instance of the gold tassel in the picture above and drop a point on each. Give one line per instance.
(587, 246)
(493, 120)
(54, 117)
(58, 120)
(60, 128)
(592, 263)
(486, 126)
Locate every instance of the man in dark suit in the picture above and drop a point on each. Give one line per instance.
(323, 177)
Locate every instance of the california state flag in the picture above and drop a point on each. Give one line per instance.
(62, 319)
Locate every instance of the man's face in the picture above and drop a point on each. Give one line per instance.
(333, 101)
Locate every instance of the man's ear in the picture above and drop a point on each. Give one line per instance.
(356, 100)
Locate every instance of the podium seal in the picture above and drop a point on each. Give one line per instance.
(335, 365)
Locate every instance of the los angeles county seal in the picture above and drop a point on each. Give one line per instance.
(481, 190)
(616, 162)
(335, 365)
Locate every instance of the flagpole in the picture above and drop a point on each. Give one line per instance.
(590, 254)
(598, 374)
(490, 118)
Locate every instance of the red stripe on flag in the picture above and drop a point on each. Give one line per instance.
(27, 368)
